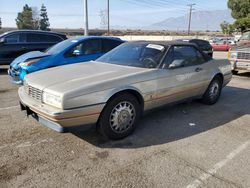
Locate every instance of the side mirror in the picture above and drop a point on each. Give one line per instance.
(76, 52)
(177, 63)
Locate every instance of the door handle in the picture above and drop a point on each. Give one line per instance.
(23, 48)
(198, 69)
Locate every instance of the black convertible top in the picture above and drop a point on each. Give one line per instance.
(165, 43)
(174, 43)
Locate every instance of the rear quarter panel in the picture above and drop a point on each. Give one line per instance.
(222, 66)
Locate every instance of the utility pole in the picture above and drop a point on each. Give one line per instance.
(86, 22)
(190, 16)
(108, 16)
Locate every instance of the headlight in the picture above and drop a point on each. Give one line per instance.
(52, 100)
(26, 87)
(25, 83)
(30, 62)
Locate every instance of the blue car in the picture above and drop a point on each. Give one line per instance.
(74, 50)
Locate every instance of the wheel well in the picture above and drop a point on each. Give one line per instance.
(132, 92)
(219, 76)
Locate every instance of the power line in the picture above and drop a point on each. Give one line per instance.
(154, 4)
(139, 4)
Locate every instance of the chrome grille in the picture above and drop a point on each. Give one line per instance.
(34, 92)
(243, 55)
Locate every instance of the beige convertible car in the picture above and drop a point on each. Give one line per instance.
(114, 91)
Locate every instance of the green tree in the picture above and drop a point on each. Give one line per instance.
(44, 20)
(240, 12)
(24, 19)
(226, 28)
(0, 23)
(243, 24)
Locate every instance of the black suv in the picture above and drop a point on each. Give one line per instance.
(204, 45)
(16, 43)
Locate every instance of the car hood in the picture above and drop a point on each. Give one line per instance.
(84, 77)
(27, 56)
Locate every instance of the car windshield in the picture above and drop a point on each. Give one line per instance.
(61, 46)
(144, 55)
(245, 36)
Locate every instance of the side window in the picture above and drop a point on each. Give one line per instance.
(185, 56)
(168, 58)
(22, 37)
(12, 39)
(33, 37)
(75, 51)
(87, 47)
(15, 38)
(108, 45)
(91, 47)
(53, 38)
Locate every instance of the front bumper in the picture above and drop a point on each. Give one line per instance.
(238, 65)
(58, 119)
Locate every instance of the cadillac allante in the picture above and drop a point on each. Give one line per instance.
(116, 89)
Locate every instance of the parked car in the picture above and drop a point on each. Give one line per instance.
(239, 55)
(117, 88)
(16, 43)
(74, 50)
(202, 44)
(222, 46)
(214, 40)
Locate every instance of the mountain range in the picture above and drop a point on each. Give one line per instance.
(201, 21)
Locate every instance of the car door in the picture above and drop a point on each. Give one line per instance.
(12, 47)
(86, 50)
(183, 75)
(37, 42)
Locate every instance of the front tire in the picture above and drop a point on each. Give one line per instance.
(119, 117)
(234, 72)
(213, 92)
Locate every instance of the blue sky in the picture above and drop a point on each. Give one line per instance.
(125, 13)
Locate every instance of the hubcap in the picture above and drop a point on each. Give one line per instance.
(214, 90)
(122, 117)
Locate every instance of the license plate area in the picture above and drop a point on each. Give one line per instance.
(27, 110)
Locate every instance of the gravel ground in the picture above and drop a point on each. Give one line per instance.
(186, 145)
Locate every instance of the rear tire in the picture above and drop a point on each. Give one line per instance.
(213, 92)
(119, 117)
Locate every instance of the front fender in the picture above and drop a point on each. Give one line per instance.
(94, 98)
(120, 89)
(43, 63)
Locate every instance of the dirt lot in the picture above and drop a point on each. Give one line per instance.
(187, 145)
